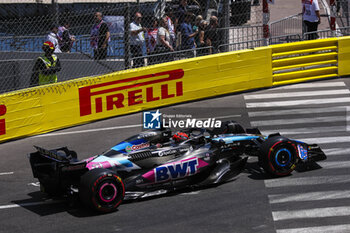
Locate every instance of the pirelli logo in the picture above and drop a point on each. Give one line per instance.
(3, 111)
(131, 91)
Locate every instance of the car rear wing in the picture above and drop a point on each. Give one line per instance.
(45, 161)
(61, 154)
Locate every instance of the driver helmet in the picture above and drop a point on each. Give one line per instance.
(180, 137)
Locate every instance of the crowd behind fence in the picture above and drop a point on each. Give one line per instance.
(239, 26)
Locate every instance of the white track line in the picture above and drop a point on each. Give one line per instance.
(309, 196)
(337, 151)
(320, 229)
(6, 173)
(306, 130)
(301, 121)
(296, 94)
(30, 204)
(304, 181)
(299, 111)
(298, 102)
(89, 130)
(312, 85)
(119, 127)
(326, 140)
(311, 213)
(334, 164)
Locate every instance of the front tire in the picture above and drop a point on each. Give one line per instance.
(101, 189)
(278, 156)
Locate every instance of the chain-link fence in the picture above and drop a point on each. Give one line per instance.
(163, 31)
(342, 13)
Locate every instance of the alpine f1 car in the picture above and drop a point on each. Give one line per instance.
(158, 161)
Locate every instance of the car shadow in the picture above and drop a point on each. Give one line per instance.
(257, 173)
(43, 205)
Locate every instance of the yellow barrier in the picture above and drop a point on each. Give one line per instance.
(303, 61)
(344, 56)
(46, 108)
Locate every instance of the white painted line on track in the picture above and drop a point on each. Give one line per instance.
(304, 181)
(30, 204)
(334, 164)
(326, 140)
(301, 120)
(337, 151)
(296, 94)
(320, 229)
(6, 173)
(309, 196)
(297, 102)
(347, 116)
(306, 130)
(311, 213)
(312, 85)
(89, 130)
(301, 111)
(120, 127)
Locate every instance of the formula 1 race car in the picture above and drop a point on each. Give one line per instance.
(158, 161)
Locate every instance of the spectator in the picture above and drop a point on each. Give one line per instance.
(137, 40)
(151, 36)
(187, 34)
(65, 38)
(212, 35)
(200, 43)
(311, 17)
(46, 66)
(196, 27)
(171, 26)
(100, 36)
(53, 38)
(181, 12)
(164, 44)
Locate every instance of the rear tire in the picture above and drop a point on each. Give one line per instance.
(101, 189)
(278, 156)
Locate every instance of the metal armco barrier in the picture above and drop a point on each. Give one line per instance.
(302, 61)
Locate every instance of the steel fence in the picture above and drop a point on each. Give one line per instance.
(168, 33)
(342, 13)
(24, 29)
(289, 25)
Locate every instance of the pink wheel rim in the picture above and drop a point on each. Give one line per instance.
(114, 195)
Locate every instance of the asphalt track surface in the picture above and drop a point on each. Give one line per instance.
(311, 201)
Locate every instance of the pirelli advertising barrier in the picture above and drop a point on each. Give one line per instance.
(51, 107)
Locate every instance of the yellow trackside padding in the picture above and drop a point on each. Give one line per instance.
(344, 56)
(303, 51)
(304, 61)
(55, 106)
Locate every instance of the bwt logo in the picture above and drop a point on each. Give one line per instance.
(152, 120)
(117, 94)
(176, 170)
(3, 111)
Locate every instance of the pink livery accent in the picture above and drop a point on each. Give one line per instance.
(93, 165)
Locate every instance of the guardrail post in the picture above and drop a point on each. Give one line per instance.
(127, 37)
(266, 18)
(333, 11)
(226, 24)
